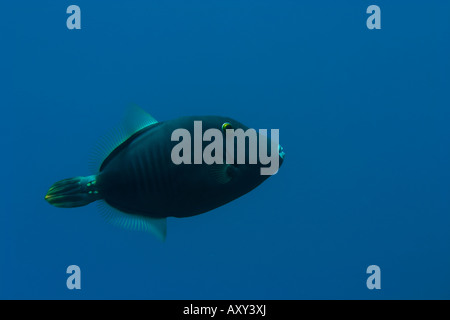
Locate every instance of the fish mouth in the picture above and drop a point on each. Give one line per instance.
(281, 153)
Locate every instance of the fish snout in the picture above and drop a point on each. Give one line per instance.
(281, 154)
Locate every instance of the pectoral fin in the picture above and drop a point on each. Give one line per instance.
(222, 173)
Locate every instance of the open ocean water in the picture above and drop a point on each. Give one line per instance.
(364, 119)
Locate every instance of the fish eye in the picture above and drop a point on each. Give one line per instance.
(226, 126)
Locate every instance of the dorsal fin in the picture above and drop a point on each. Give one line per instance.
(135, 120)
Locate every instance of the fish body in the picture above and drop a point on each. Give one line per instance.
(139, 178)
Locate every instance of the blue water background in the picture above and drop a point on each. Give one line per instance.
(364, 118)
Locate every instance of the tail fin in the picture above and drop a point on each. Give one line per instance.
(73, 192)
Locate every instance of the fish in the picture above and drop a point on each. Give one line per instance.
(139, 184)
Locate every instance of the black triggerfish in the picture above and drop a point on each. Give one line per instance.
(145, 175)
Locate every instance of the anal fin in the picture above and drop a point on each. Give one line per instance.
(134, 222)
